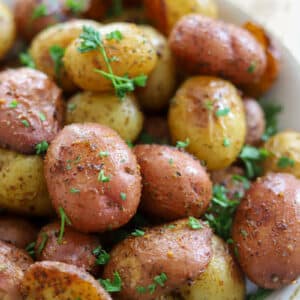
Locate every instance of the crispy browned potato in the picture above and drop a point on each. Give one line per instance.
(93, 176)
(75, 248)
(50, 280)
(161, 260)
(266, 231)
(175, 185)
(31, 109)
(17, 231)
(205, 46)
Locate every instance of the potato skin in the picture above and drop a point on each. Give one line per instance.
(165, 13)
(76, 248)
(175, 185)
(22, 186)
(266, 231)
(17, 231)
(73, 161)
(221, 49)
(193, 115)
(48, 280)
(178, 251)
(222, 279)
(35, 94)
(284, 144)
(136, 56)
(123, 116)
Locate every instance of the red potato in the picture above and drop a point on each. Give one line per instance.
(93, 176)
(205, 46)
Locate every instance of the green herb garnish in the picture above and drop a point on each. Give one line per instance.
(123, 196)
(138, 232)
(64, 219)
(71, 106)
(101, 255)
(42, 117)
(30, 249)
(161, 279)
(260, 294)
(183, 145)
(75, 6)
(102, 177)
(26, 60)
(13, 104)
(114, 35)
(41, 147)
(39, 11)
(57, 53)
(43, 243)
(103, 154)
(222, 112)
(112, 286)
(285, 162)
(74, 191)
(194, 223)
(252, 67)
(226, 142)
(25, 123)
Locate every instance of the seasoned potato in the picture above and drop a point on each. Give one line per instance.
(93, 176)
(133, 55)
(266, 231)
(162, 81)
(75, 248)
(205, 46)
(22, 185)
(17, 231)
(123, 116)
(165, 13)
(50, 280)
(222, 280)
(284, 149)
(57, 37)
(165, 257)
(209, 113)
(175, 185)
(31, 109)
(8, 31)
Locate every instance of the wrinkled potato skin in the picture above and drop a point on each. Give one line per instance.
(255, 120)
(57, 35)
(73, 161)
(135, 55)
(49, 280)
(180, 252)
(266, 231)
(17, 231)
(283, 144)
(205, 46)
(175, 185)
(165, 13)
(190, 118)
(8, 30)
(76, 248)
(222, 280)
(161, 82)
(22, 186)
(123, 116)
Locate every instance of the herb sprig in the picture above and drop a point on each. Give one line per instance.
(57, 53)
(64, 219)
(112, 286)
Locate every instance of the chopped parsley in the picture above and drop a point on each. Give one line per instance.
(114, 35)
(42, 117)
(43, 243)
(112, 286)
(194, 223)
(30, 249)
(71, 106)
(141, 289)
(129, 144)
(244, 233)
(157, 280)
(285, 162)
(64, 219)
(39, 11)
(57, 53)
(226, 142)
(25, 123)
(209, 104)
(183, 145)
(26, 60)
(252, 67)
(103, 154)
(123, 196)
(222, 112)
(41, 147)
(101, 255)
(171, 161)
(74, 191)
(161, 279)
(260, 294)
(151, 288)
(102, 177)
(243, 179)
(75, 6)
(13, 104)
(138, 232)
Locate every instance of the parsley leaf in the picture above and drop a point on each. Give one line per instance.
(161, 279)
(252, 67)
(183, 145)
(39, 11)
(41, 148)
(285, 162)
(114, 35)
(138, 232)
(57, 53)
(13, 104)
(194, 223)
(26, 60)
(30, 249)
(102, 177)
(112, 286)
(223, 112)
(43, 243)
(102, 256)
(123, 196)
(75, 6)
(63, 220)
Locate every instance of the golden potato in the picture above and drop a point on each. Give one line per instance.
(208, 113)
(131, 54)
(123, 116)
(22, 185)
(54, 280)
(8, 30)
(165, 13)
(58, 37)
(284, 156)
(162, 80)
(222, 280)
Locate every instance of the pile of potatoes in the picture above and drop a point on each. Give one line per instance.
(105, 196)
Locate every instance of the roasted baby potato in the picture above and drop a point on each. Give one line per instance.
(162, 80)
(123, 116)
(266, 231)
(205, 46)
(8, 30)
(22, 186)
(50, 44)
(208, 114)
(131, 54)
(161, 260)
(284, 153)
(165, 13)
(17, 231)
(175, 185)
(222, 279)
(50, 280)
(93, 177)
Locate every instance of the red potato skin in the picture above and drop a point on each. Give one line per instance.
(35, 94)
(73, 161)
(266, 231)
(76, 248)
(205, 46)
(175, 185)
